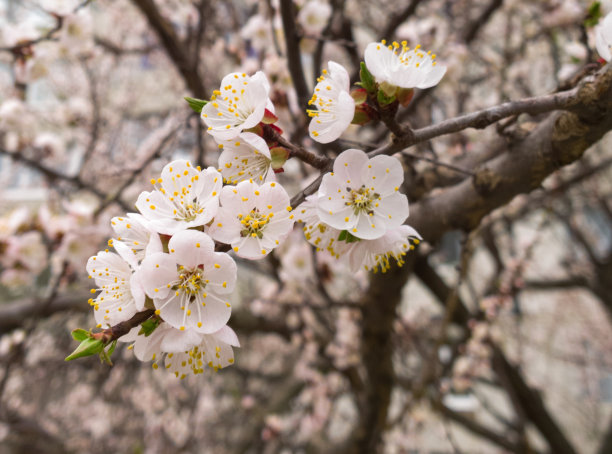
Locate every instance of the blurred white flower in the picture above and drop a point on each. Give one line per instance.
(313, 16)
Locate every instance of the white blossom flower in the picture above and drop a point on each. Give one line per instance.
(603, 38)
(246, 157)
(239, 104)
(253, 219)
(134, 239)
(374, 254)
(402, 67)
(361, 195)
(317, 233)
(313, 16)
(214, 350)
(335, 105)
(184, 351)
(120, 295)
(184, 197)
(259, 31)
(26, 250)
(190, 284)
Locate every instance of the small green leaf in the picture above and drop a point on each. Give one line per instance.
(111, 349)
(594, 14)
(87, 347)
(80, 334)
(196, 104)
(351, 239)
(345, 235)
(148, 326)
(367, 79)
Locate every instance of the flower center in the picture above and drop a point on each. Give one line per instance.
(254, 223)
(361, 199)
(191, 281)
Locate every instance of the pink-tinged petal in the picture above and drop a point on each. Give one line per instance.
(221, 272)
(384, 174)
(356, 253)
(339, 74)
(157, 270)
(210, 185)
(377, 58)
(175, 340)
(392, 210)
(218, 353)
(348, 167)
(214, 314)
(248, 248)
(368, 228)
(126, 253)
(190, 248)
(154, 245)
(256, 142)
(603, 43)
(433, 77)
(261, 78)
(173, 309)
(226, 227)
(408, 231)
(137, 290)
(227, 335)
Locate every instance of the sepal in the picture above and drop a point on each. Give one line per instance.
(279, 156)
(367, 79)
(196, 104)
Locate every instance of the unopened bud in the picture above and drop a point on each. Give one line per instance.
(279, 157)
(360, 95)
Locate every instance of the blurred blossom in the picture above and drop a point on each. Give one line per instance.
(313, 16)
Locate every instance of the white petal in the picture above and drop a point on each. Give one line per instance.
(190, 248)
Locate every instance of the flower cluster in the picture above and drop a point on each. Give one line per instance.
(165, 262)
(165, 258)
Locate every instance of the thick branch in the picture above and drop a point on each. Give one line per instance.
(54, 175)
(176, 50)
(13, 315)
(294, 55)
(558, 141)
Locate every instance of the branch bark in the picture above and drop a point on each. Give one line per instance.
(176, 50)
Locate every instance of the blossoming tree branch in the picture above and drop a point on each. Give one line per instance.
(322, 163)
(167, 282)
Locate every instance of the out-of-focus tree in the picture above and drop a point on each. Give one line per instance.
(491, 335)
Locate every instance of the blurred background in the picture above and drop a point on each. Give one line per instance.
(498, 339)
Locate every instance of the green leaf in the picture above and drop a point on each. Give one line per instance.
(87, 347)
(351, 239)
(196, 104)
(148, 326)
(80, 334)
(111, 349)
(345, 235)
(367, 79)
(594, 14)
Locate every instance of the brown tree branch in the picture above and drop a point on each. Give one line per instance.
(294, 55)
(175, 48)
